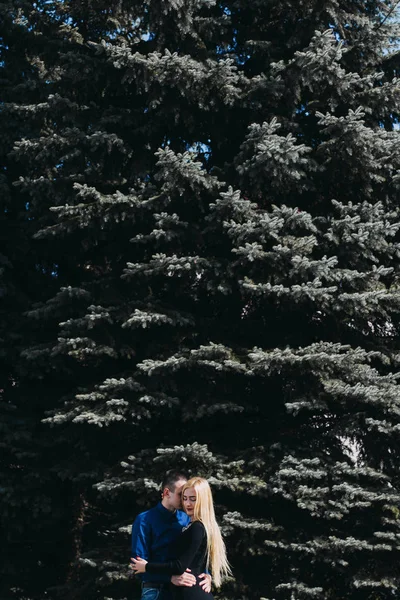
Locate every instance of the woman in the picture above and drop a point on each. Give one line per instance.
(200, 546)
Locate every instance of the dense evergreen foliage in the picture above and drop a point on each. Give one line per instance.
(201, 270)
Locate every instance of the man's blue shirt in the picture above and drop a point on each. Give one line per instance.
(154, 536)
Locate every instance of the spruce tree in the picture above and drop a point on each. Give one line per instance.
(218, 187)
(29, 495)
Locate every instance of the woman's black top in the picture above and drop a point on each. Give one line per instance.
(192, 554)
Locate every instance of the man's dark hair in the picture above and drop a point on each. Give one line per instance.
(170, 479)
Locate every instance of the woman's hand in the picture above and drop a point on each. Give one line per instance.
(138, 565)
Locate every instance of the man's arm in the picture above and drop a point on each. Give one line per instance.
(141, 538)
(141, 543)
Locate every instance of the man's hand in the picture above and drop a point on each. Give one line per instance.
(185, 580)
(205, 582)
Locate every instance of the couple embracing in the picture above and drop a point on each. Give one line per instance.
(173, 550)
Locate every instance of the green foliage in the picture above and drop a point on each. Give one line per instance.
(200, 215)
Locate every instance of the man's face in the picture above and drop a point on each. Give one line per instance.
(174, 498)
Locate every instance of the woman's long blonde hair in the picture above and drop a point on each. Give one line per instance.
(217, 561)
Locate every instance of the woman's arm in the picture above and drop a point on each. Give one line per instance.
(194, 537)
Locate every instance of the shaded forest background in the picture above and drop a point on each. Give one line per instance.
(199, 232)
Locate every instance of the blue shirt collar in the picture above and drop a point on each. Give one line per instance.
(168, 514)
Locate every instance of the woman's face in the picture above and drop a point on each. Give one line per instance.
(189, 497)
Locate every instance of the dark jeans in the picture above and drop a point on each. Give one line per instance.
(156, 594)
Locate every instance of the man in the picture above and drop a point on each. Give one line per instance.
(154, 536)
